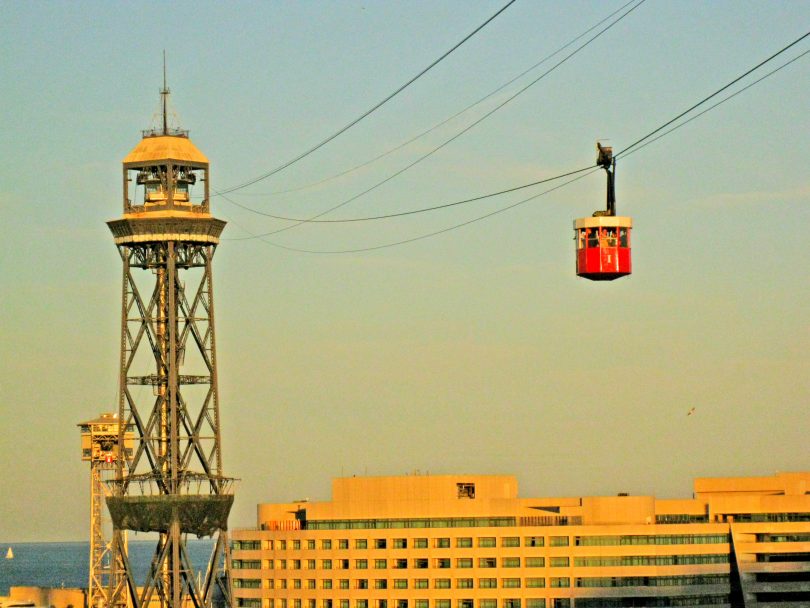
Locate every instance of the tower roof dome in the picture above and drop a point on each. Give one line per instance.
(165, 147)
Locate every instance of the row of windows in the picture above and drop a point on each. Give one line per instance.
(783, 538)
(401, 583)
(651, 560)
(769, 517)
(653, 602)
(461, 542)
(403, 603)
(652, 581)
(397, 564)
(453, 522)
(651, 539)
(682, 518)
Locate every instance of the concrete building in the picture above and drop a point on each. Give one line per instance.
(469, 541)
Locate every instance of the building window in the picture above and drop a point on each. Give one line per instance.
(326, 564)
(296, 545)
(310, 564)
(420, 583)
(343, 543)
(361, 564)
(344, 604)
(380, 543)
(561, 602)
(296, 564)
(535, 562)
(400, 543)
(442, 603)
(464, 583)
(465, 490)
(441, 583)
(510, 583)
(311, 543)
(381, 603)
(511, 603)
(326, 583)
(535, 583)
(558, 562)
(360, 603)
(420, 562)
(486, 541)
(537, 602)
(464, 562)
(380, 583)
(361, 543)
(560, 581)
(310, 583)
(511, 562)
(420, 543)
(282, 563)
(326, 543)
(343, 564)
(343, 583)
(282, 545)
(402, 603)
(420, 604)
(533, 541)
(442, 543)
(400, 563)
(558, 541)
(488, 603)
(487, 562)
(464, 603)
(400, 583)
(296, 583)
(510, 541)
(380, 564)
(464, 542)
(487, 583)
(361, 583)
(443, 562)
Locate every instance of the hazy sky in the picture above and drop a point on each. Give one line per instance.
(475, 351)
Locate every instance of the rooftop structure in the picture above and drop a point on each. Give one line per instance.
(470, 541)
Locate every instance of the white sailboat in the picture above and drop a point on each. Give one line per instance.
(9, 554)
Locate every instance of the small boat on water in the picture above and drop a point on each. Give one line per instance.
(9, 554)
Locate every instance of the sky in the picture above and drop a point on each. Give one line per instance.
(474, 351)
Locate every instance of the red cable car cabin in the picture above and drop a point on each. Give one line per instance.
(603, 247)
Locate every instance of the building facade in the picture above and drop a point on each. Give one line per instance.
(469, 541)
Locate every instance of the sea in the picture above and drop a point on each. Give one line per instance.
(66, 564)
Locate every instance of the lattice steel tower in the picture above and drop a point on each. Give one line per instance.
(100, 449)
(174, 484)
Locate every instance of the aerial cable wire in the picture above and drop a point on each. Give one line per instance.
(369, 111)
(713, 106)
(446, 142)
(443, 230)
(446, 120)
(626, 151)
(421, 210)
(705, 99)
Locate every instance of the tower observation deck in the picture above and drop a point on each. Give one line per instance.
(174, 484)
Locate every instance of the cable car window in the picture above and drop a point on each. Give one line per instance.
(623, 240)
(582, 236)
(609, 237)
(593, 237)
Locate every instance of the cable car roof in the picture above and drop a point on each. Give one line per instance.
(603, 220)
